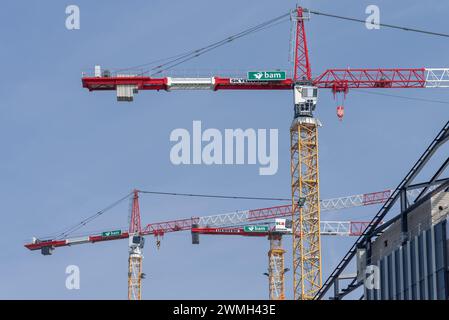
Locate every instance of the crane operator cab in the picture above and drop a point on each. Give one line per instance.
(305, 100)
(136, 241)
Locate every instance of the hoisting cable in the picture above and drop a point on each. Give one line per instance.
(379, 24)
(189, 55)
(181, 58)
(210, 49)
(89, 219)
(84, 222)
(196, 53)
(218, 196)
(400, 96)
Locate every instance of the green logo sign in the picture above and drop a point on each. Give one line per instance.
(113, 233)
(255, 228)
(266, 75)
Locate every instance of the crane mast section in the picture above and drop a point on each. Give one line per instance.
(134, 276)
(305, 218)
(276, 270)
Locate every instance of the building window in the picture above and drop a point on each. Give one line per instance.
(429, 255)
(422, 287)
(405, 272)
(414, 270)
(383, 278)
(398, 274)
(441, 261)
(390, 277)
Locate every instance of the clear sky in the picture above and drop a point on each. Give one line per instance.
(66, 153)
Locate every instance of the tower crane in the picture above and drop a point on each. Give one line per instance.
(276, 269)
(207, 225)
(307, 272)
(274, 234)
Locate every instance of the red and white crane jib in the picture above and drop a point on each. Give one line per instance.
(51, 243)
(339, 80)
(328, 228)
(245, 216)
(234, 219)
(159, 229)
(437, 78)
(337, 228)
(226, 220)
(333, 204)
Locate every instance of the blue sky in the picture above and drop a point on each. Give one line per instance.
(67, 153)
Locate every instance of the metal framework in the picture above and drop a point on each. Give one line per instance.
(332, 204)
(135, 276)
(437, 78)
(305, 219)
(328, 228)
(335, 79)
(276, 269)
(343, 79)
(400, 193)
(302, 70)
(276, 254)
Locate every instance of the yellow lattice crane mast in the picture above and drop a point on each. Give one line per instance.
(305, 174)
(276, 270)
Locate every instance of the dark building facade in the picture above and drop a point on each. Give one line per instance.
(414, 267)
